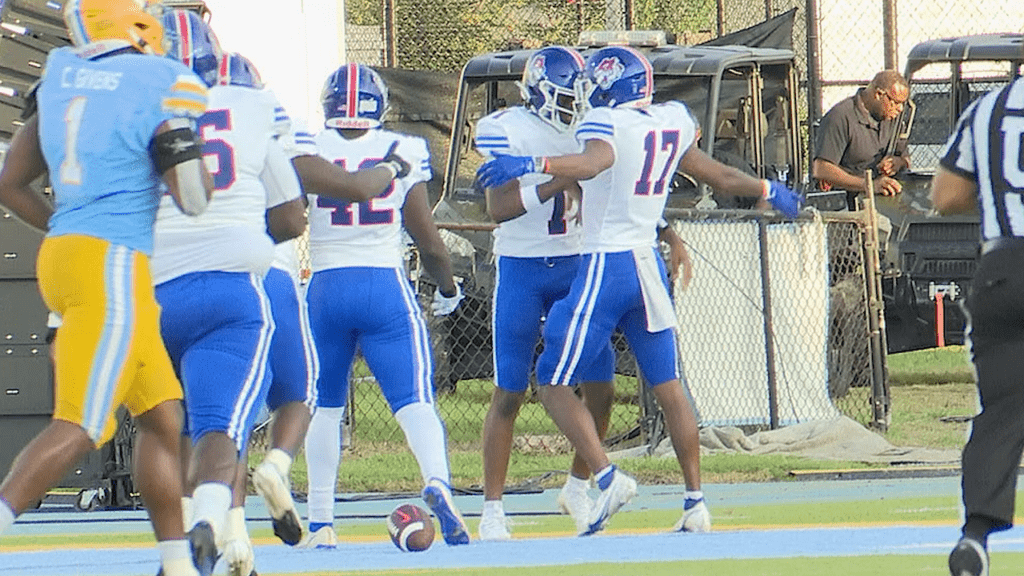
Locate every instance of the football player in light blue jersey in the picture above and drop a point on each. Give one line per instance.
(629, 144)
(115, 122)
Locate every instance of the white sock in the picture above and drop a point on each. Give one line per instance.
(186, 511)
(693, 495)
(492, 508)
(574, 484)
(281, 460)
(210, 502)
(235, 528)
(175, 556)
(6, 516)
(424, 432)
(323, 456)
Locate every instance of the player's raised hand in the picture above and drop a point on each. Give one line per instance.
(503, 168)
(783, 198)
(396, 163)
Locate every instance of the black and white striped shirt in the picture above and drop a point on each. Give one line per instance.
(988, 148)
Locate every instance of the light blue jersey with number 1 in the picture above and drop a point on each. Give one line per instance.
(98, 112)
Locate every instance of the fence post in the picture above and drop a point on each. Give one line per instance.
(769, 330)
(721, 17)
(876, 317)
(813, 71)
(889, 33)
(390, 35)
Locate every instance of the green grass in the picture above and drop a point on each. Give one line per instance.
(931, 366)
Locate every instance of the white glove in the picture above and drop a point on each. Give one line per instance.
(445, 305)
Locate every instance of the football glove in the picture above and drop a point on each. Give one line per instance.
(504, 168)
(783, 198)
(394, 162)
(445, 305)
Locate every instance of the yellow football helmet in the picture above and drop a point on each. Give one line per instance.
(130, 20)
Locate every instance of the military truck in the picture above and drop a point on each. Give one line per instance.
(743, 98)
(930, 258)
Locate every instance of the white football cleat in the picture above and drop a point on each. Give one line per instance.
(239, 557)
(494, 527)
(619, 492)
(696, 517)
(324, 538)
(276, 490)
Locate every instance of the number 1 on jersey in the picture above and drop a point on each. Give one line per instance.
(669, 141)
(71, 168)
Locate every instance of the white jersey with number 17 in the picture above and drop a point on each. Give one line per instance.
(622, 205)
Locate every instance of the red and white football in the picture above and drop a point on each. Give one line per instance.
(411, 528)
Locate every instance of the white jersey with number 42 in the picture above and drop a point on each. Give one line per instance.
(346, 234)
(546, 230)
(622, 205)
(250, 174)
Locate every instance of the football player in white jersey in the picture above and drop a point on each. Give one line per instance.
(293, 358)
(216, 318)
(537, 244)
(630, 147)
(360, 295)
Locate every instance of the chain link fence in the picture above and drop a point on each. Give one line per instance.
(773, 330)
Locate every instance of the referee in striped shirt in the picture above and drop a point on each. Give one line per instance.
(983, 167)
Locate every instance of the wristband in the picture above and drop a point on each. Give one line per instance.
(528, 196)
(541, 164)
(662, 224)
(766, 189)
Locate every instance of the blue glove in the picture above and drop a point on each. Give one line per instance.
(504, 168)
(783, 199)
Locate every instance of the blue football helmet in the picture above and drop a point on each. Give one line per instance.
(237, 70)
(549, 85)
(354, 97)
(617, 76)
(192, 42)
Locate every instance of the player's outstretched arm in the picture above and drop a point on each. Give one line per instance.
(322, 177)
(24, 164)
(177, 153)
(419, 222)
(728, 180)
(319, 176)
(597, 156)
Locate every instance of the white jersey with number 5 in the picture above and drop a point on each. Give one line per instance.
(250, 174)
(622, 205)
(546, 230)
(346, 234)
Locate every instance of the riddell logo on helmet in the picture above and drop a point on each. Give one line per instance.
(608, 71)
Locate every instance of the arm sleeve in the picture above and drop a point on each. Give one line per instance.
(958, 154)
(298, 141)
(186, 98)
(491, 135)
(414, 151)
(279, 177)
(597, 125)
